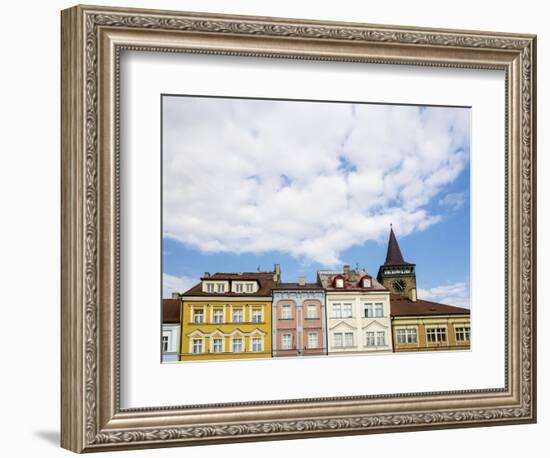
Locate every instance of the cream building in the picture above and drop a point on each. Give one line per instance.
(358, 312)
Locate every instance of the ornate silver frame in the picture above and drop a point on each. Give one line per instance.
(92, 38)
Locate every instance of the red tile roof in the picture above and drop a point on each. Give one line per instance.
(264, 279)
(352, 281)
(237, 276)
(285, 286)
(171, 310)
(403, 306)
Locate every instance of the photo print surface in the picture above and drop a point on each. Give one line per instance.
(295, 228)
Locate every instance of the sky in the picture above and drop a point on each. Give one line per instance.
(248, 183)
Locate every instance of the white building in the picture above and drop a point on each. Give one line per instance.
(358, 312)
(170, 339)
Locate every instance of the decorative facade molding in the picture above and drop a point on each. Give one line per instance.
(299, 296)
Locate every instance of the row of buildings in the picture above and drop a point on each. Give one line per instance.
(256, 315)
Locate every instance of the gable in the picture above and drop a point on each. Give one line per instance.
(342, 325)
(375, 324)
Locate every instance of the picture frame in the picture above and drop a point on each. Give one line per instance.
(93, 39)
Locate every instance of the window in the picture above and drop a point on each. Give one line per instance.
(286, 341)
(197, 346)
(311, 311)
(217, 345)
(369, 310)
(462, 333)
(380, 339)
(312, 340)
(237, 316)
(436, 334)
(257, 316)
(210, 287)
(237, 345)
(338, 339)
(367, 282)
(343, 339)
(346, 310)
(339, 283)
(370, 339)
(198, 316)
(242, 287)
(406, 336)
(165, 340)
(218, 316)
(220, 287)
(348, 339)
(257, 344)
(286, 312)
(342, 310)
(374, 310)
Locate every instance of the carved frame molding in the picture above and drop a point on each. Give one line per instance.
(92, 39)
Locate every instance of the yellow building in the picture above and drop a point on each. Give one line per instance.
(419, 325)
(228, 316)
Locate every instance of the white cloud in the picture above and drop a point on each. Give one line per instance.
(172, 284)
(454, 200)
(309, 179)
(451, 294)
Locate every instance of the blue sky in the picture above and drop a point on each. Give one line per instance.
(251, 183)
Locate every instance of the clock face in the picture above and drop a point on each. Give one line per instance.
(399, 285)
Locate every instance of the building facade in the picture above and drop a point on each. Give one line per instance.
(255, 315)
(228, 316)
(358, 312)
(170, 339)
(419, 325)
(299, 319)
(427, 326)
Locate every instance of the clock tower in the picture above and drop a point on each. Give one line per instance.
(396, 274)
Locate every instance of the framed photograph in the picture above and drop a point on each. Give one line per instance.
(278, 228)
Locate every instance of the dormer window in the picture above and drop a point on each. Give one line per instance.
(241, 287)
(367, 282)
(214, 287)
(339, 283)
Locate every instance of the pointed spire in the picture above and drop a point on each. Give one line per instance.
(394, 256)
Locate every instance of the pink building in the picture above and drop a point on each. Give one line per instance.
(299, 319)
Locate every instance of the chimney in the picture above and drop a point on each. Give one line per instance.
(175, 295)
(412, 294)
(347, 271)
(302, 281)
(277, 274)
(207, 274)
